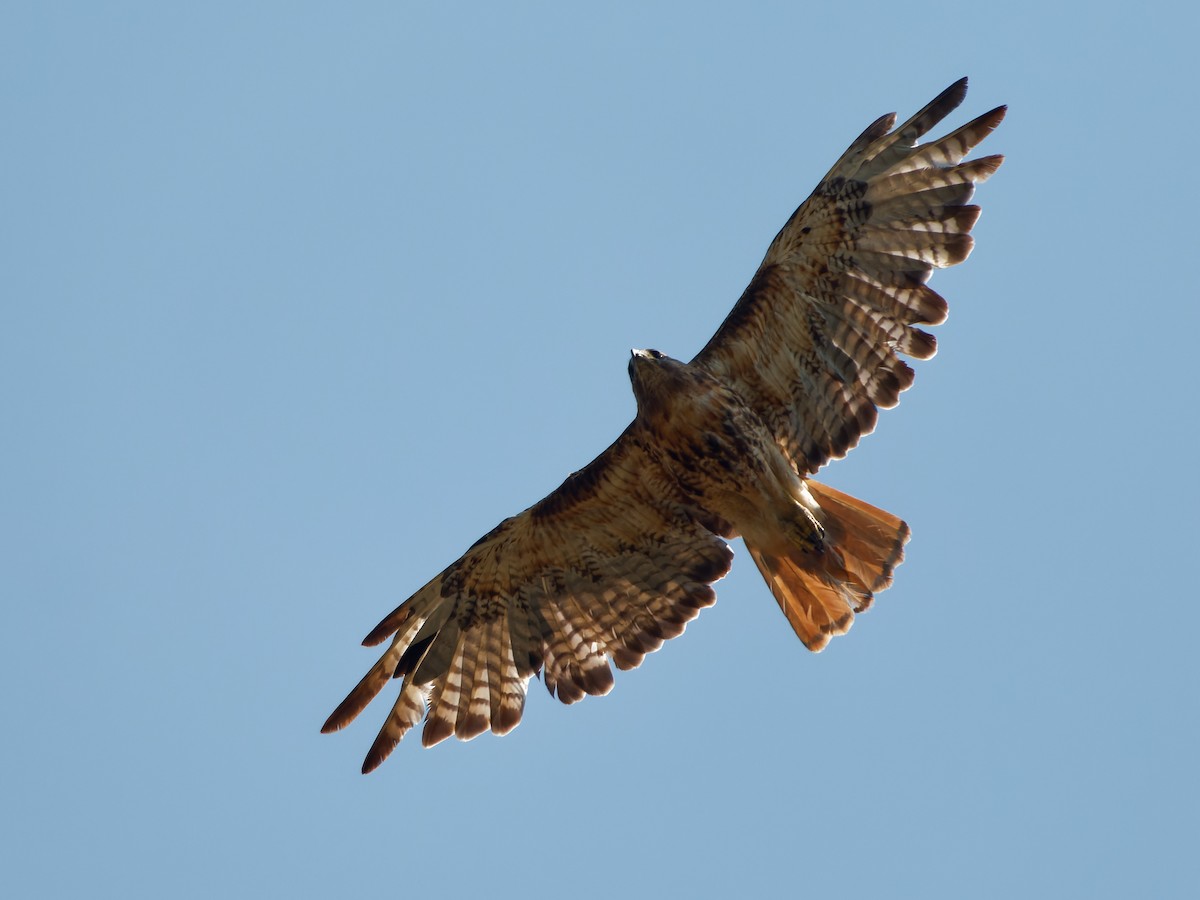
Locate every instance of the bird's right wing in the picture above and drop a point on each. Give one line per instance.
(609, 565)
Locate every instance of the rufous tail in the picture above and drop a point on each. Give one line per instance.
(820, 590)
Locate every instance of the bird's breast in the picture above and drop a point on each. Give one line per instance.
(715, 446)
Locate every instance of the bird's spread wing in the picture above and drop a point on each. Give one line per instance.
(609, 565)
(812, 344)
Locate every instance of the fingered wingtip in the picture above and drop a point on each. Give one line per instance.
(994, 117)
(338, 719)
(954, 94)
(373, 761)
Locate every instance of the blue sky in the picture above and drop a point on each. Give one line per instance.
(299, 301)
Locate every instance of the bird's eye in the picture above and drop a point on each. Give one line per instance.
(656, 354)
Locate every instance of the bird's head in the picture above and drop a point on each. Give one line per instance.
(653, 376)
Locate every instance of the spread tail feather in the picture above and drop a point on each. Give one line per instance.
(820, 591)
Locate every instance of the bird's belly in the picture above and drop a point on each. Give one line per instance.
(727, 462)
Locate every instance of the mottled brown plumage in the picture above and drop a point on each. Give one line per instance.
(623, 554)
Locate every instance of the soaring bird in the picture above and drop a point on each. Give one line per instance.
(624, 553)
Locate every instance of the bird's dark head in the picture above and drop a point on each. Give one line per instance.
(654, 375)
(643, 357)
(644, 362)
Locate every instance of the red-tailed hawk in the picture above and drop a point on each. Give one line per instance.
(623, 554)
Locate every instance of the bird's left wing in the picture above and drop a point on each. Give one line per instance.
(813, 343)
(608, 566)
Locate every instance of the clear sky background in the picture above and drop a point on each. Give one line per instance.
(297, 302)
